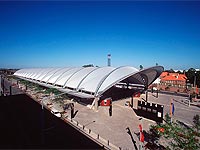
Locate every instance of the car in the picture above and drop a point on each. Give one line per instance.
(56, 112)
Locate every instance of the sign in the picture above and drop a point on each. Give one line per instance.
(137, 94)
(106, 102)
(141, 133)
(150, 111)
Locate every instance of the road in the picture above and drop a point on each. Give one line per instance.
(183, 112)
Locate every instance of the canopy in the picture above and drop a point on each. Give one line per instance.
(89, 82)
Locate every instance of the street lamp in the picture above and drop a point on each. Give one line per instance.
(195, 78)
(195, 82)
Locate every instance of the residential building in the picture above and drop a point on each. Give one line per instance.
(173, 82)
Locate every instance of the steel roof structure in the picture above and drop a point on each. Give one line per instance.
(89, 82)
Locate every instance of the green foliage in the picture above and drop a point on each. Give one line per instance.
(196, 121)
(52, 90)
(191, 74)
(167, 118)
(141, 67)
(24, 82)
(38, 88)
(179, 135)
(89, 65)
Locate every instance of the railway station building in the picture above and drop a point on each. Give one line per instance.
(93, 84)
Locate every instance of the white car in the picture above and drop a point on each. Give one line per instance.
(56, 112)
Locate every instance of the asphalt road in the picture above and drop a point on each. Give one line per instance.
(183, 112)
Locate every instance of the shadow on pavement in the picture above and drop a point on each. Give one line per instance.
(134, 142)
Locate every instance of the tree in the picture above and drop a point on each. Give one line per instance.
(89, 65)
(171, 71)
(156, 64)
(179, 135)
(179, 72)
(141, 67)
(52, 90)
(190, 74)
(196, 121)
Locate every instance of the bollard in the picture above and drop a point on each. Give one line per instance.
(98, 136)
(89, 131)
(110, 110)
(108, 142)
(132, 102)
(83, 127)
(157, 93)
(146, 95)
(77, 123)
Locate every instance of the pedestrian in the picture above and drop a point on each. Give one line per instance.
(172, 108)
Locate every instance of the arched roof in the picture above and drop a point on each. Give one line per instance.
(91, 81)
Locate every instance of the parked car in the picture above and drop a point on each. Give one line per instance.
(56, 112)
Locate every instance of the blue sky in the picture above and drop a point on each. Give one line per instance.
(59, 34)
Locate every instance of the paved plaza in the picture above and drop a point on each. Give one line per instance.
(114, 128)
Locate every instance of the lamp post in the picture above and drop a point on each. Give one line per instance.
(195, 78)
(195, 83)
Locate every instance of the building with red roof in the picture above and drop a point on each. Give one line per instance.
(175, 82)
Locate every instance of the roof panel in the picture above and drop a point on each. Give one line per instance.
(49, 74)
(78, 77)
(91, 82)
(36, 71)
(64, 77)
(115, 76)
(44, 73)
(56, 76)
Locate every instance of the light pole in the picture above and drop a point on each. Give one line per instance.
(195, 78)
(195, 83)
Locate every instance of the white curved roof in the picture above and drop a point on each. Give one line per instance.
(78, 77)
(90, 80)
(50, 74)
(66, 76)
(115, 76)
